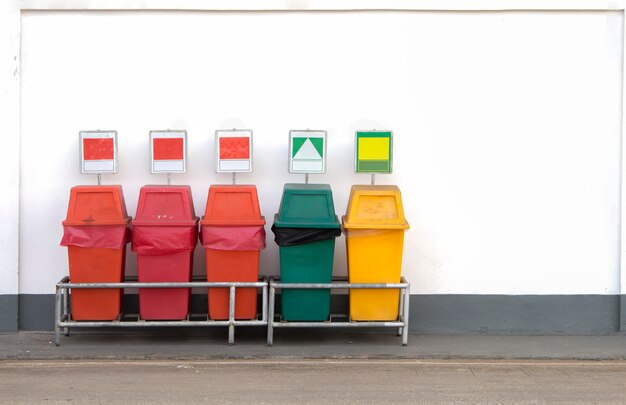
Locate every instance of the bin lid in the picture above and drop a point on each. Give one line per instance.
(375, 207)
(96, 205)
(165, 205)
(232, 205)
(306, 206)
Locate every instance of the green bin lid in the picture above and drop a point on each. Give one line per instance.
(306, 206)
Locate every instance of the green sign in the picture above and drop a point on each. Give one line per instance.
(307, 151)
(373, 152)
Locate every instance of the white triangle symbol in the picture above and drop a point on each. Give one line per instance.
(307, 151)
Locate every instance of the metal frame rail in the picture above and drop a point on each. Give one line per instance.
(62, 315)
(403, 314)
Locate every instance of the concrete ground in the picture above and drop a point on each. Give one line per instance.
(250, 343)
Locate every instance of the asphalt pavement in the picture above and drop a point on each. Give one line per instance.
(159, 366)
(313, 381)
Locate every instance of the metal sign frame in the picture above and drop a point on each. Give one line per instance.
(309, 133)
(97, 134)
(157, 134)
(232, 133)
(356, 151)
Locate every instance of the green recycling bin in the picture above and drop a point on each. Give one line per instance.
(305, 229)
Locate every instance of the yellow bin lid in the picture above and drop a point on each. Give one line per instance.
(375, 207)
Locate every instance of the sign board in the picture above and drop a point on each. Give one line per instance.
(373, 152)
(168, 151)
(98, 152)
(307, 151)
(233, 151)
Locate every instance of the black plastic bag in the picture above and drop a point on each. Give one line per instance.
(300, 236)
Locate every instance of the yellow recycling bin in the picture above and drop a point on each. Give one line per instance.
(374, 226)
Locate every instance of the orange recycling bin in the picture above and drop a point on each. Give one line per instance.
(165, 234)
(375, 226)
(233, 234)
(95, 232)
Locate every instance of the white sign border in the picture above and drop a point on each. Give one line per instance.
(168, 133)
(95, 134)
(315, 133)
(233, 133)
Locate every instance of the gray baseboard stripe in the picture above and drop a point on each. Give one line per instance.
(449, 313)
(622, 313)
(8, 313)
(36, 312)
(515, 314)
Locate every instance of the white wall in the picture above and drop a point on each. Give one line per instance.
(9, 151)
(507, 128)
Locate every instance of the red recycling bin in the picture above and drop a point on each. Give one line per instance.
(233, 234)
(165, 233)
(95, 232)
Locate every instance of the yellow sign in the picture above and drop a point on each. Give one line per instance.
(373, 152)
(374, 149)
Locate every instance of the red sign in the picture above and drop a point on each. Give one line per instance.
(168, 149)
(235, 148)
(98, 149)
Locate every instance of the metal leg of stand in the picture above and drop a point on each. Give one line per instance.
(270, 317)
(402, 292)
(66, 309)
(231, 316)
(264, 306)
(57, 317)
(405, 329)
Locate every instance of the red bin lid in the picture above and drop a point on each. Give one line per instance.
(234, 205)
(165, 205)
(96, 205)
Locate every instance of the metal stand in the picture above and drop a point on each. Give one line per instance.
(63, 320)
(403, 310)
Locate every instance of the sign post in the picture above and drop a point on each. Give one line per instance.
(98, 152)
(373, 152)
(233, 151)
(168, 152)
(307, 152)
